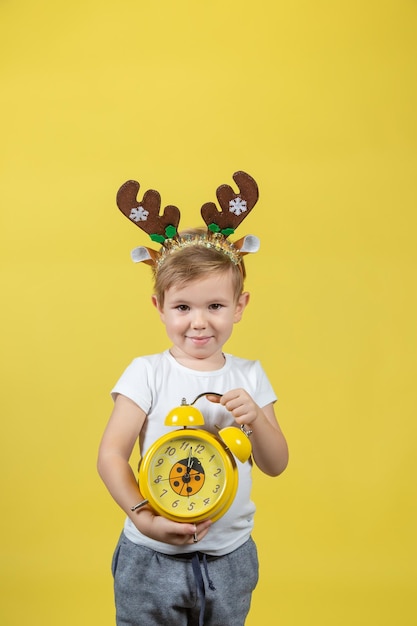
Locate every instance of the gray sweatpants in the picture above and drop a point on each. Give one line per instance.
(152, 589)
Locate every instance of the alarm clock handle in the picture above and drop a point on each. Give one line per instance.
(246, 431)
(206, 393)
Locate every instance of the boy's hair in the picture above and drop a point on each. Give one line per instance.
(192, 262)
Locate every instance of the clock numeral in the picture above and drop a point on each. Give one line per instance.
(206, 501)
(216, 489)
(170, 451)
(211, 458)
(159, 462)
(191, 506)
(184, 445)
(199, 448)
(217, 472)
(163, 492)
(158, 479)
(175, 504)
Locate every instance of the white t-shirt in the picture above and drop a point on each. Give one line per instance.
(157, 384)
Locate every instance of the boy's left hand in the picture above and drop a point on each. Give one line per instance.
(240, 404)
(269, 448)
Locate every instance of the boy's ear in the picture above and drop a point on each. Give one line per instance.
(156, 303)
(241, 305)
(158, 308)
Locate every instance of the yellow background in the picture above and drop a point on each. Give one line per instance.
(317, 100)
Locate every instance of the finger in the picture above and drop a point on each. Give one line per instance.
(214, 397)
(232, 399)
(200, 532)
(184, 529)
(239, 411)
(204, 525)
(233, 405)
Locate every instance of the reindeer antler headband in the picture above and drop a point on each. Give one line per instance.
(164, 228)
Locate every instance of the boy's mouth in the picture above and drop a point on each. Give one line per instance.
(199, 341)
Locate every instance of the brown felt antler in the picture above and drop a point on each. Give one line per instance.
(234, 206)
(145, 213)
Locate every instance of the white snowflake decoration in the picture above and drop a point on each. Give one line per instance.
(237, 206)
(138, 214)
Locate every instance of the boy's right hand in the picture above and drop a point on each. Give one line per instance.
(175, 533)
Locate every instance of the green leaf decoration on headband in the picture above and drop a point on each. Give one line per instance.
(215, 228)
(157, 238)
(170, 232)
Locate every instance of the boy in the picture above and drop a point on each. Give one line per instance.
(160, 576)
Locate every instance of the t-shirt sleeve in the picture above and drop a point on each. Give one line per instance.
(265, 393)
(134, 384)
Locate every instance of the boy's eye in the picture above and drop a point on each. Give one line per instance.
(182, 307)
(216, 306)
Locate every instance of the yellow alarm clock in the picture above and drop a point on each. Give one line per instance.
(189, 475)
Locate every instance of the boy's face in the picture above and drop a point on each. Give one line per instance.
(199, 319)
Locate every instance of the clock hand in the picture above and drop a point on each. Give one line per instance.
(186, 478)
(190, 459)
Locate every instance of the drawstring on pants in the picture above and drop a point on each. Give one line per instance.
(198, 559)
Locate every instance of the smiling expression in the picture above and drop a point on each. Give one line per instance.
(199, 319)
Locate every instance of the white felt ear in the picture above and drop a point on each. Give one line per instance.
(143, 254)
(248, 245)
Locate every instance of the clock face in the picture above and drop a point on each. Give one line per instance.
(188, 475)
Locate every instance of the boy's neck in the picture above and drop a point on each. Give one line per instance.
(210, 364)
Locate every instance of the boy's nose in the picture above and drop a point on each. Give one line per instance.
(199, 320)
